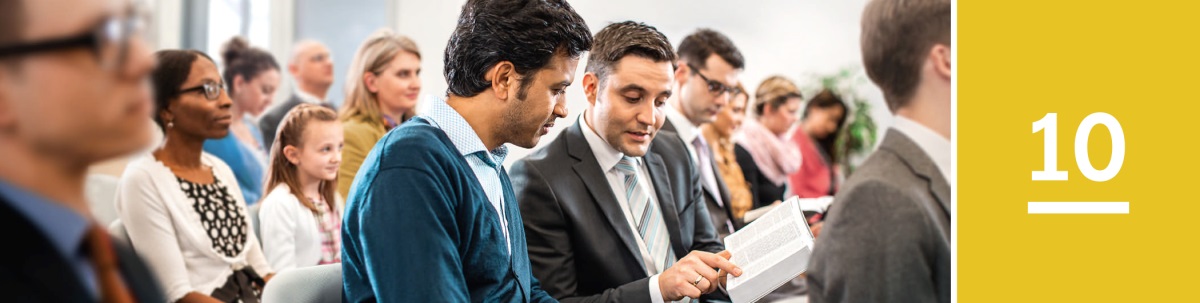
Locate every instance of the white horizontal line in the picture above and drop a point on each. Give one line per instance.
(1078, 207)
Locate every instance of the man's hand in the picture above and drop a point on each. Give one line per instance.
(695, 275)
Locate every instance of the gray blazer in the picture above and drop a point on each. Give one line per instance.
(580, 244)
(887, 236)
(718, 214)
(270, 120)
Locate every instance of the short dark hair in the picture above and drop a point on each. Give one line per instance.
(174, 66)
(697, 47)
(243, 60)
(896, 38)
(12, 20)
(621, 39)
(525, 32)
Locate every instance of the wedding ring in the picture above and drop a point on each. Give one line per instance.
(697, 282)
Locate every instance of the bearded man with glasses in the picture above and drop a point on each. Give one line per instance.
(73, 92)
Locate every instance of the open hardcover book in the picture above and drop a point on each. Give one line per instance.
(771, 251)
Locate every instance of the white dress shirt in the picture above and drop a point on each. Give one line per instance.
(309, 98)
(685, 129)
(934, 145)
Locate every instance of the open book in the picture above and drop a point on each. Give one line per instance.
(771, 251)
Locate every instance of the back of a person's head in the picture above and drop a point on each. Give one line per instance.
(627, 38)
(527, 33)
(243, 60)
(774, 92)
(897, 36)
(174, 66)
(373, 56)
(291, 133)
(697, 47)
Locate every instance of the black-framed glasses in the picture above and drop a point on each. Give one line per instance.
(211, 90)
(108, 39)
(715, 88)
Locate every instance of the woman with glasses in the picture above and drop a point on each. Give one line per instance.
(383, 87)
(252, 75)
(182, 208)
(763, 151)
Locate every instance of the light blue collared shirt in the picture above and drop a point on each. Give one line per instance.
(65, 229)
(485, 164)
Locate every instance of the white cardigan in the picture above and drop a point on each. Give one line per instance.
(166, 231)
(291, 236)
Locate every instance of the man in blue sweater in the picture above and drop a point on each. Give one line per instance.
(431, 215)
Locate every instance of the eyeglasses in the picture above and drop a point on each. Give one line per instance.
(714, 87)
(109, 40)
(212, 90)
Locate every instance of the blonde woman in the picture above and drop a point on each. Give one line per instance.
(763, 151)
(382, 91)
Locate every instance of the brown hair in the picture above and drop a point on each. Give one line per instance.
(291, 133)
(824, 100)
(618, 40)
(775, 90)
(241, 59)
(896, 38)
(697, 47)
(373, 56)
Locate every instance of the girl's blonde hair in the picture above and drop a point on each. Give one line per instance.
(372, 56)
(291, 133)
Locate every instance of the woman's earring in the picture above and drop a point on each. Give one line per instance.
(170, 124)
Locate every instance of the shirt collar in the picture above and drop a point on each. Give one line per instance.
(308, 98)
(683, 126)
(934, 145)
(65, 228)
(606, 155)
(464, 138)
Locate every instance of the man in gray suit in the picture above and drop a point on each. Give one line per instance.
(312, 68)
(887, 235)
(612, 204)
(706, 78)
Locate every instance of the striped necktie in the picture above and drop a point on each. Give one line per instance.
(646, 217)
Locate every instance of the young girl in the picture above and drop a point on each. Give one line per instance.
(301, 215)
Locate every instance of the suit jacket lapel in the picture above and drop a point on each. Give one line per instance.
(47, 271)
(921, 164)
(593, 178)
(666, 200)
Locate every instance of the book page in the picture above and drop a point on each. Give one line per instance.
(768, 251)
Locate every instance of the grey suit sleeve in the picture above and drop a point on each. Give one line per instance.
(874, 248)
(267, 124)
(705, 237)
(550, 252)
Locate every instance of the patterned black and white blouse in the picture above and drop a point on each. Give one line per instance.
(220, 215)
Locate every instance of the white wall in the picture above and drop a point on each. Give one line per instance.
(793, 38)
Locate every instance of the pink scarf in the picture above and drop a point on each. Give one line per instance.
(775, 156)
